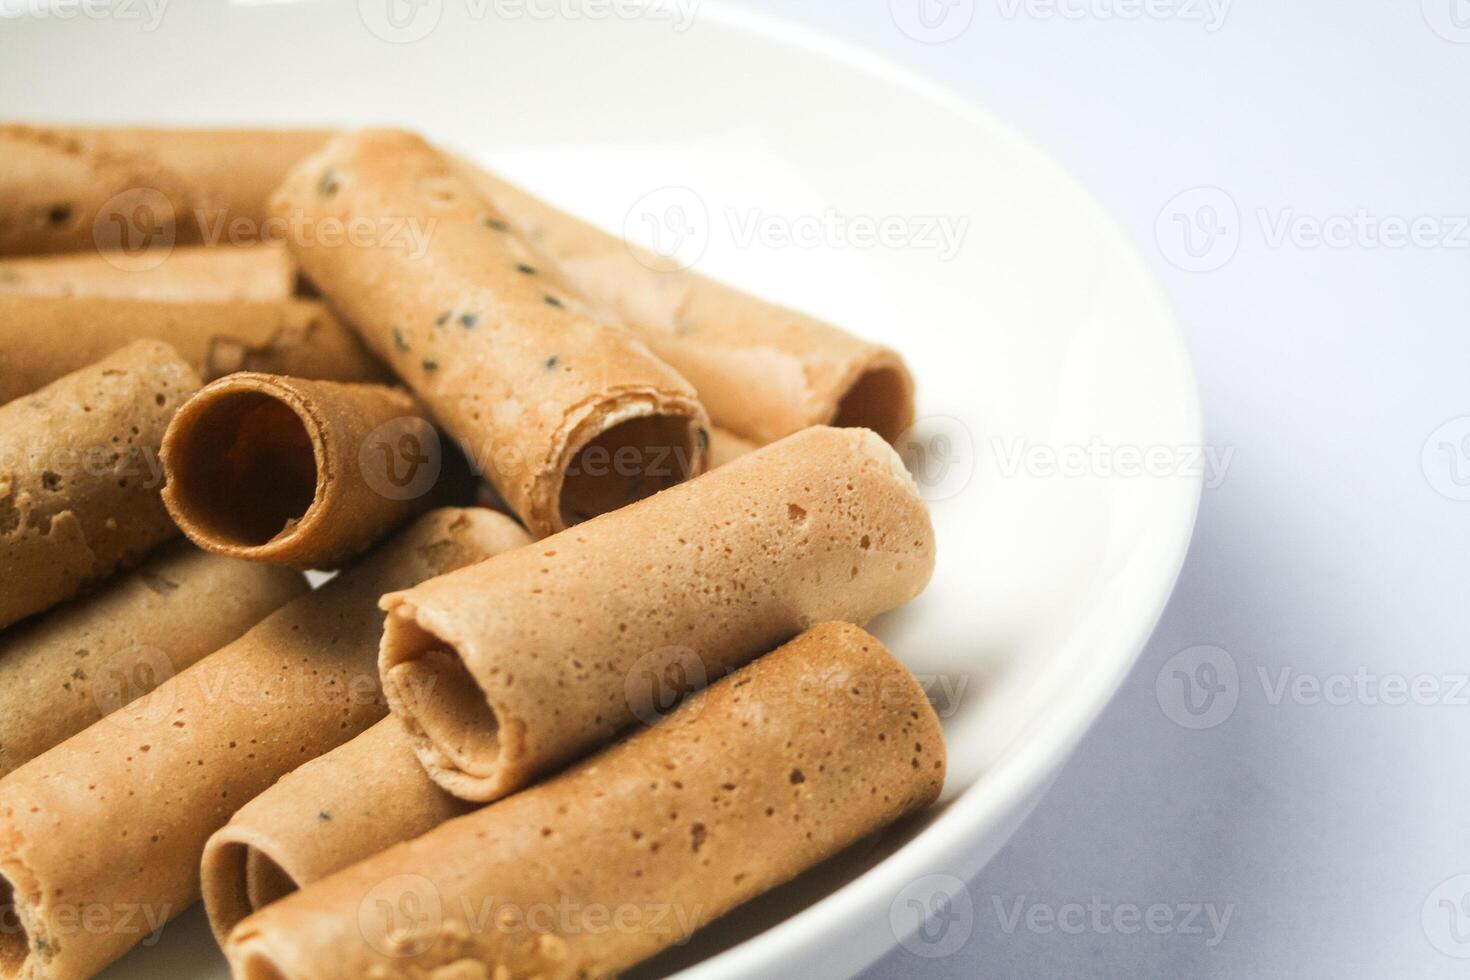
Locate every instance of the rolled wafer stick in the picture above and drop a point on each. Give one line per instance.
(73, 187)
(756, 779)
(45, 337)
(294, 472)
(763, 371)
(64, 671)
(357, 800)
(79, 475)
(531, 658)
(567, 416)
(114, 820)
(197, 274)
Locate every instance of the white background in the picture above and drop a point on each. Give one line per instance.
(1323, 822)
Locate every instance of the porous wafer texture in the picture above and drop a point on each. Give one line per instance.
(75, 187)
(762, 371)
(506, 670)
(196, 273)
(357, 800)
(46, 337)
(744, 786)
(568, 416)
(65, 670)
(295, 472)
(107, 829)
(80, 479)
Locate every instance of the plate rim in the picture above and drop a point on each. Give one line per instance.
(1024, 775)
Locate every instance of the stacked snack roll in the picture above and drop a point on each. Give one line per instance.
(762, 775)
(79, 475)
(116, 818)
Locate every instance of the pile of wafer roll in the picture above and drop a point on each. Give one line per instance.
(586, 668)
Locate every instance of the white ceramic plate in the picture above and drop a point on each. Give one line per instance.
(1060, 415)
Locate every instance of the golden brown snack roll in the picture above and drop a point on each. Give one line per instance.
(758, 778)
(80, 480)
(191, 274)
(358, 799)
(299, 473)
(45, 337)
(568, 416)
(92, 187)
(64, 671)
(503, 671)
(101, 837)
(763, 371)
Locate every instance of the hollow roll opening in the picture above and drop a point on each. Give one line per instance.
(242, 466)
(629, 461)
(226, 888)
(265, 880)
(15, 945)
(437, 695)
(880, 399)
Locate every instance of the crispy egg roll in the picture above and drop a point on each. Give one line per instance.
(114, 820)
(45, 337)
(76, 187)
(79, 475)
(294, 472)
(763, 371)
(503, 671)
(63, 671)
(567, 416)
(196, 274)
(747, 784)
(358, 799)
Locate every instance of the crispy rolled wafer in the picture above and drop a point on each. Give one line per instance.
(568, 416)
(749, 783)
(45, 337)
(299, 473)
(531, 657)
(79, 475)
(358, 799)
(198, 274)
(64, 671)
(116, 818)
(763, 371)
(65, 188)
